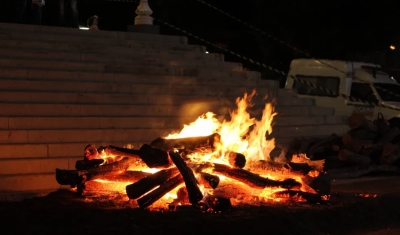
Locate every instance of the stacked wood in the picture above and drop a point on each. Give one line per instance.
(366, 143)
(114, 164)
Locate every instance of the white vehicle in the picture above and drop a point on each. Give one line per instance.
(356, 79)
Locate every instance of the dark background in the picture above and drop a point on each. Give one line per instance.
(345, 30)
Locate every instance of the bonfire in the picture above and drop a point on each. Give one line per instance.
(209, 164)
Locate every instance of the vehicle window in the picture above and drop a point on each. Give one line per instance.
(363, 91)
(388, 92)
(329, 83)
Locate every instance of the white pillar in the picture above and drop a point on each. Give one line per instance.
(143, 11)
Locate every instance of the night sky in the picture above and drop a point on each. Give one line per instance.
(345, 30)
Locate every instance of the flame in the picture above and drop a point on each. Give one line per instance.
(241, 134)
(205, 125)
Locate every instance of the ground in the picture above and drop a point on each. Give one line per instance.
(63, 213)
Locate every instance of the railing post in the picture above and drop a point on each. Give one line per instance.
(143, 12)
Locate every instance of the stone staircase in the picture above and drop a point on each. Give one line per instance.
(61, 89)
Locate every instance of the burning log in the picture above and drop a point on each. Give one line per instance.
(302, 168)
(290, 167)
(157, 193)
(208, 180)
(152, 157)
(252, 179)
(299, 195)
(191, 183)
(74, 177)
(354, 172)
(190, 143)
(148, 183)
(236, 159)
(126, 176)
(86, 164)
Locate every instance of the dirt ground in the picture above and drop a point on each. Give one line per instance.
(62, 212)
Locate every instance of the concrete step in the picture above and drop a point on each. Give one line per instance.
(60, 42)
(82, 110)
(38, 53)
(109, 50)
(119, 88)
(296, 121)
(49, 123)
(170, 70)
(91, 58)
(134, 99)
(92, 39)
(121, 99)
(24, 183)
(54, 150)
(81, 136)
(311, 130)
(252, 81)
(7, 30)
(36, 165)
(99, 41)
(189, 110)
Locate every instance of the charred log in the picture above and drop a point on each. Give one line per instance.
(321, 184)
(154, 157)
(190, 143)
(209, 180)
(146, 184)
(302, 168)
(252, 179)
(86, 164)
(74, 177)
(236, 159)
(299, 195)
(191, 183)
(90, 152)
(157, 193)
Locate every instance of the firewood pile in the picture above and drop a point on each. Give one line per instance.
(208, 184)
(368, 147)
